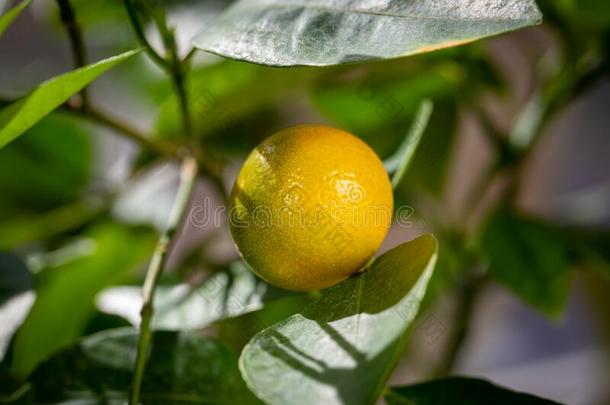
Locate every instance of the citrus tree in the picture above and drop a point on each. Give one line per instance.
(312, 312)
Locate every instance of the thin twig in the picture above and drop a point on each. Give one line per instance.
(189, 57)
(158, 147)
(176, 69)
(79, 52)
(132, 12)
(468, 294)
(155, 269)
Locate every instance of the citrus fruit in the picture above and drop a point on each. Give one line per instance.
(310, 207)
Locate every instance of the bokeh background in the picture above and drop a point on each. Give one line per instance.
(564, 181)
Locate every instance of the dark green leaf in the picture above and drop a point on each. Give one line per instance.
(342, 348)
(586, 12)
(46, 167)
(459, 390)
(15, 277)
(329, 32)
(16, 296)
(430, 164)
(590, 247)
(7, 18)
(183, 367)
(64, 300)
(23, 114)
(528, 257)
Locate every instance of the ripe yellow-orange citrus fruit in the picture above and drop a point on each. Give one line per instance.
(310, 207)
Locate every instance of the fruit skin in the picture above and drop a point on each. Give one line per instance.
(310, 207)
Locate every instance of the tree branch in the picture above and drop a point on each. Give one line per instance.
(160, 148)
(132, 12)
(79, 52)
(155, 269)
(468, 294)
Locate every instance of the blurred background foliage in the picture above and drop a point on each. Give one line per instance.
(511, 176)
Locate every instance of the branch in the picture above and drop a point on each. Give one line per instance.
(79, 51)
(132, 12)
(157, 147)
(155, 269)
(468, 294)
(189, 56)
(176, 69)
(170, 64)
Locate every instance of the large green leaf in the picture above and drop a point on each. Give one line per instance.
(329, 32)
(459, 390)
(183, 368)
(7, 18)
(65, 297)
(528, 257)
(23, 114)
(225, 294)
(341, 348)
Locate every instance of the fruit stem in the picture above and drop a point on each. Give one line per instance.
(155, 269)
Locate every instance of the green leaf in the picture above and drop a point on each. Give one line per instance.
(528, 257)
(28, 228)
(341, 348)
(183, 367)
(64, 300)
(7, 18)
(399, 162)
(15, 276)
(589, 248)
(430, 165)
(589, 13)
(236, 332)
(459, 390)
(225, 294)
(330, 32)
(23, 114)
(53, 160)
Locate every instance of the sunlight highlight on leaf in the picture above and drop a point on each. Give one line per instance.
(330, 32)
(354, 332)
